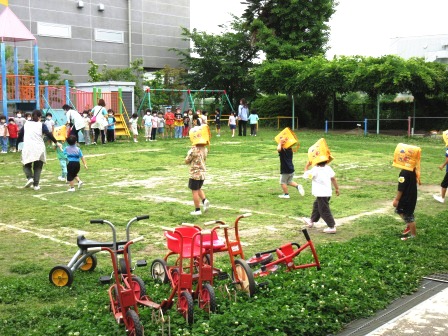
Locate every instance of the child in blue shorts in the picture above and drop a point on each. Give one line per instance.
(74, 155)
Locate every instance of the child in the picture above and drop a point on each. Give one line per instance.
(218, 122)
(161, 125)
(74, 154)
(133, 122)
(253, 121)
(155, 123)
(406, 200)
(186, 128)
(62, 158)
(407, 158)
(322, 177)
(110, 134)
(196, 157)
(13, 131)
(178, 124)
(169, 122)
(4, 134)
(287, 170)
(49, 122)
(232, 123)
(444, 184)
(86, 130)
(147, 123)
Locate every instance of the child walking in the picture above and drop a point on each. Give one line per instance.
(161, 125)
(74, 155)
(196, 158)
(110, 133)
(253, 121)
(86, 129)
(407, 158)
(323, 177)
(232, 123)
(287, 170)
(444, 184)
(155, 123)
(218, 122)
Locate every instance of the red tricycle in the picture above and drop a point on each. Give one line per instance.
(122, 294)
(242, 276)
(186, 243)
(285, 254)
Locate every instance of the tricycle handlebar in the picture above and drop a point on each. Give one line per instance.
(187, 224)
(138, 239)
(94, 249)
(247, 215)
(142, 217)
(97, 221)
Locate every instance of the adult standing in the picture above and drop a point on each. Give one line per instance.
(243, 115)
(33, 152)
(99, 113)
(75, 119)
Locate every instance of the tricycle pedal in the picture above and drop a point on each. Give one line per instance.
(263, 284)
(105, 279)
(141, 263)
(222, 276)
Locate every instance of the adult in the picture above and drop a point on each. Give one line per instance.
(169, 123)
(243, 115)
(33, 152)
(75, 119)
(99, 113)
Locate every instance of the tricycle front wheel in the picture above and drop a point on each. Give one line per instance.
(243, 277)
(61, 276)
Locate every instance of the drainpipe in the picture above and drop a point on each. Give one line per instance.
(129, 32)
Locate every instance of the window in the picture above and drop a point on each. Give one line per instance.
(104, 35)
(54, 30)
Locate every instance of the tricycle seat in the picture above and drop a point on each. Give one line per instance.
(184, 246)
(84, 243)
(207, 239)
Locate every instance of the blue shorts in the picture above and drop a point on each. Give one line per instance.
(232, 127)
(160, 129)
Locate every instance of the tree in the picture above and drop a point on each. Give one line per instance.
(53, 75)
(289, 29)
(222, 62)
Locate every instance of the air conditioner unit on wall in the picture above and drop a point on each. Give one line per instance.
(80, 4)
(101, 7)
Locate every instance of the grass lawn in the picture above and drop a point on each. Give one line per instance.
(364, 266)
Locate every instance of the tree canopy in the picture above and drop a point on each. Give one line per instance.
(289, 29)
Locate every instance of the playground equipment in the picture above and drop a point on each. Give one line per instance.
(188, 97)
(122, 294)
(189, 268)
(285, 254)
(62, 275)
(242, 277)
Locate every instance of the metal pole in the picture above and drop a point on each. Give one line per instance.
(47, 104)
(409, 127)
(326, 126)
(67, 94)
(4, 91)
(378, 115)
(129, 32)
(36, 76)
(365, 126)
(293, 112)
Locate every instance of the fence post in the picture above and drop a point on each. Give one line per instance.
(67, 93)
(326, 126)
(365, 126)
(120, 100)
(95, 97)
(47, 104)
(409, 127)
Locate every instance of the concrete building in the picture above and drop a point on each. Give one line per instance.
(109, 32)
(434, 48)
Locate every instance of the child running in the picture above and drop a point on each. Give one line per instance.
(74, 155)
(134, 128)
(232, 123)
(287, 169)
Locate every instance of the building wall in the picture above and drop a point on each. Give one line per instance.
(434, 48)
(155, 25)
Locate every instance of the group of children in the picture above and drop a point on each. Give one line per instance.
(252, 118)
(9, 131)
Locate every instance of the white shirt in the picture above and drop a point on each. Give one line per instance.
(76, 119)
(321, 183)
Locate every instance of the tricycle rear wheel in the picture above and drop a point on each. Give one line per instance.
(244, 278)
(159, 270)
(61, 276)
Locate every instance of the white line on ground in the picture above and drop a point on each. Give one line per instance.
(36, 234)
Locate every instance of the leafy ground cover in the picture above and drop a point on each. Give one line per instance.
(365, 266)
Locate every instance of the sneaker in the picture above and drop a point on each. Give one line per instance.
(406, 231)
(135, 140)
(206, 205)
(80, 183)
(93, 143)
(439, 198)
(406, 238)
(29, 183)
(196, 213)
(36, 188)
(4, 152)
(308, 222)
(301, 190)
(71, 189)
(284, 196)
(62, 179)
(330, 230)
